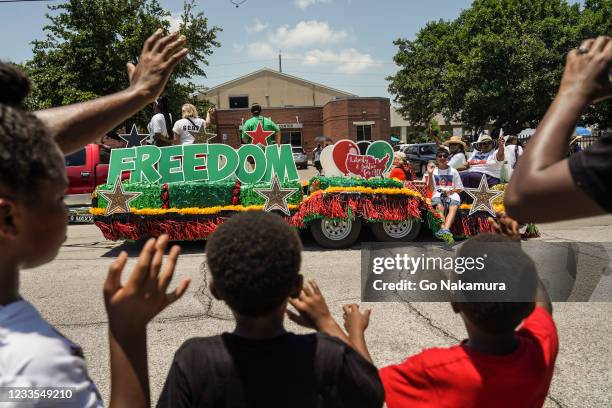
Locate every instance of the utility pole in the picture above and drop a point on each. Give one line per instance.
(280, 61)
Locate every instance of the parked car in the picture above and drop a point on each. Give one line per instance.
(419, 155)
(300, 157)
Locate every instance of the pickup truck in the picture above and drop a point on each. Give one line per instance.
(86, 169)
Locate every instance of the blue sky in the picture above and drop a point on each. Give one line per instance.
(345, 44)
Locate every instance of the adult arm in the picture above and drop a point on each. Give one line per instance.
(542, 178)
(76, 125)
(129, 309)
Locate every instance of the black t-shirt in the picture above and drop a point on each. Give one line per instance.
(291, 370)
(591, 170)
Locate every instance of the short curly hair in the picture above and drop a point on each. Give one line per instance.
(28, 154)
(505, 262)
(15, 85)
(255, 260)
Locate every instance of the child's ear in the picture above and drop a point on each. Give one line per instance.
(214, 291)
(8, 227)
(297, 289)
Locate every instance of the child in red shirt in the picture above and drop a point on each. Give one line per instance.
(497, 366)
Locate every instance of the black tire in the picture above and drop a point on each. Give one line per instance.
(345, 240)
(382, 234)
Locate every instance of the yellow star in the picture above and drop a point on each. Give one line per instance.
(118, 199)
(483, 197)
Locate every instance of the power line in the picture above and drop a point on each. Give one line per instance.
(23, 1)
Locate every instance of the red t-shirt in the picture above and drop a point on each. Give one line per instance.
(461, 377)
(398, 174)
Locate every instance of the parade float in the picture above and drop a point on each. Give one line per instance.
(187, 191)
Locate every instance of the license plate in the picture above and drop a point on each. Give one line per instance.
(81, 218)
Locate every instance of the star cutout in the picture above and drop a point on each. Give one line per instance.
(259, 135)
(276, 196)
(483, 197)
(134, 139)
(201, 136)
(118, 199)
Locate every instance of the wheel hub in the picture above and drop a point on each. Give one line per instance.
(336, 230)
(397, 229)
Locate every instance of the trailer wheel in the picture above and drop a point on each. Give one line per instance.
(396, 231)
(334, 234)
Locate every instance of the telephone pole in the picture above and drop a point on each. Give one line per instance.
(280, 61)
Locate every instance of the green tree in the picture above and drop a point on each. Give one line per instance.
(596, 21)
(89, 42)
(499, 62)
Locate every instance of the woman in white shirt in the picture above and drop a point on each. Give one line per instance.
(484, 161)
(457, 158)
(160, 126)
(185, 129)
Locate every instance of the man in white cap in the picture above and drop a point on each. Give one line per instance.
(484, 160)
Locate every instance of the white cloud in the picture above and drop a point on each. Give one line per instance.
(261, 51)
(347, 61)
(306, 33)
(257, 27)
(175, 20)
(304, 4)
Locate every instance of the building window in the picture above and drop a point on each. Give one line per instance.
(364, 132)
(238, 102)
(294, 138)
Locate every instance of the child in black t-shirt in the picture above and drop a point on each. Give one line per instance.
(255, 259)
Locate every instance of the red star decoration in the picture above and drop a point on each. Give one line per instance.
(259, 135)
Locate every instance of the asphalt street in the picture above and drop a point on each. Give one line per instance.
(68, 292)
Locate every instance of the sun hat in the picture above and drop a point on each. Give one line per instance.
(456, 140)
(483, 138)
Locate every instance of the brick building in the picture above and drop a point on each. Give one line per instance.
(303, 110)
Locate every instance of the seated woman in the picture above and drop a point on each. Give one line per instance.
(457, 158)
(401, 168)
(484, 160)
(445, 183)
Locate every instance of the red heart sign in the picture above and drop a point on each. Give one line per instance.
(341, 151)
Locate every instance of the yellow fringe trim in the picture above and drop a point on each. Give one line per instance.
(368, 190)
(189, 211)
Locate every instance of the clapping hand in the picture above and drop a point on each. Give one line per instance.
(311, 306)
(159, 56)
(144, 296)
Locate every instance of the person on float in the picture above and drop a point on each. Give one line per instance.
(546, 185)
(485, 160)
(445, 183)
(316, 158)
(190, 124)
(160, 126)
(267, 125)
(514, 150)
(401, 168)
(457, 158)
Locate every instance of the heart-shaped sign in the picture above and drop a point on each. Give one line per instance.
(341, 150)
(380, 149)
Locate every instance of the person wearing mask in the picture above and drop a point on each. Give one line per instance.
(547, 186)
(190, 125)
(457, 158)
(160, 126)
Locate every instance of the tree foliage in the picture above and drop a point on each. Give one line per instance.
(499, 62)
(89, 42)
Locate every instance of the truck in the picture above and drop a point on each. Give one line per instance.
(86, 169)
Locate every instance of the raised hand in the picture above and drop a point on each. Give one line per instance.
(507, 226)
(312, 309)
(587, 70)
(159, 56)
(355, 322)
(144, 295)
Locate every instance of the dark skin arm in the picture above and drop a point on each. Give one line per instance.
(356, 324)
(314, 313)
(509, 227)
(74, 126)
(542, 177)
(129, 309)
